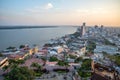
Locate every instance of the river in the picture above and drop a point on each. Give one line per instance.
(31, 36)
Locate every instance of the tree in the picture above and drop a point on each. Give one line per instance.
(5, 67)
(22, 46)
(115, 58)
(20, 73)
(38, 70)
(107, 42)
(91, 46)
(84, 74)
(1, 54)
(12, 61)
(62, 63)
(86, 65)
(78, 59)
(72, 56)
(35, 64)
(53, 58)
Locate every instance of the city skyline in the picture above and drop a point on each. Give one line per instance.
(59, 12)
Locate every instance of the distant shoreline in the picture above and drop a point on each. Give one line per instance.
(25, 27)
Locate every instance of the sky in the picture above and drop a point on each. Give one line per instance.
(60, 12)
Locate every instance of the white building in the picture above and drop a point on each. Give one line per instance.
(105, 48)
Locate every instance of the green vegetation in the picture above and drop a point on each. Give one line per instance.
(20, 73)
(38, 70)
(115, 58)
(61, 71)
(84, 74)
(53, 58)
(77, 60)
(91, 46)
(85, 67)
(48, 45)
(108, 42)
(105, 53)
(1, 54)
(11, 61)
(35, 64)
(72, 56)
(43, 58)
(6, 67)
(22, 46)
(62, 63)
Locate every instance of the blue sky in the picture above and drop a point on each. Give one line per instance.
(59, 12)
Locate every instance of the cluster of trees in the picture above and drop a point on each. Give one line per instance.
(72, 56)
(79, 59)
(1, 54)
(12, 61)
(91, 46)
(21, 46)
(108, 42)
(20, 73)
(85, 68)
(38, 70)
(84, 74)
(53, 58)
(86, 64)
(115, 58)
(62, 63)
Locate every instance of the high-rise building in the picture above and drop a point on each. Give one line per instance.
(84, 24)
(101, 28)
(83, 29)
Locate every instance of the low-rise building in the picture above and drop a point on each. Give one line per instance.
(105, 48)
(3, 62)
(103, 72)
(82, 50)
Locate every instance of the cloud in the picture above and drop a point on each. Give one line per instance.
(92, 11)
(49, 6)
(40, 9)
